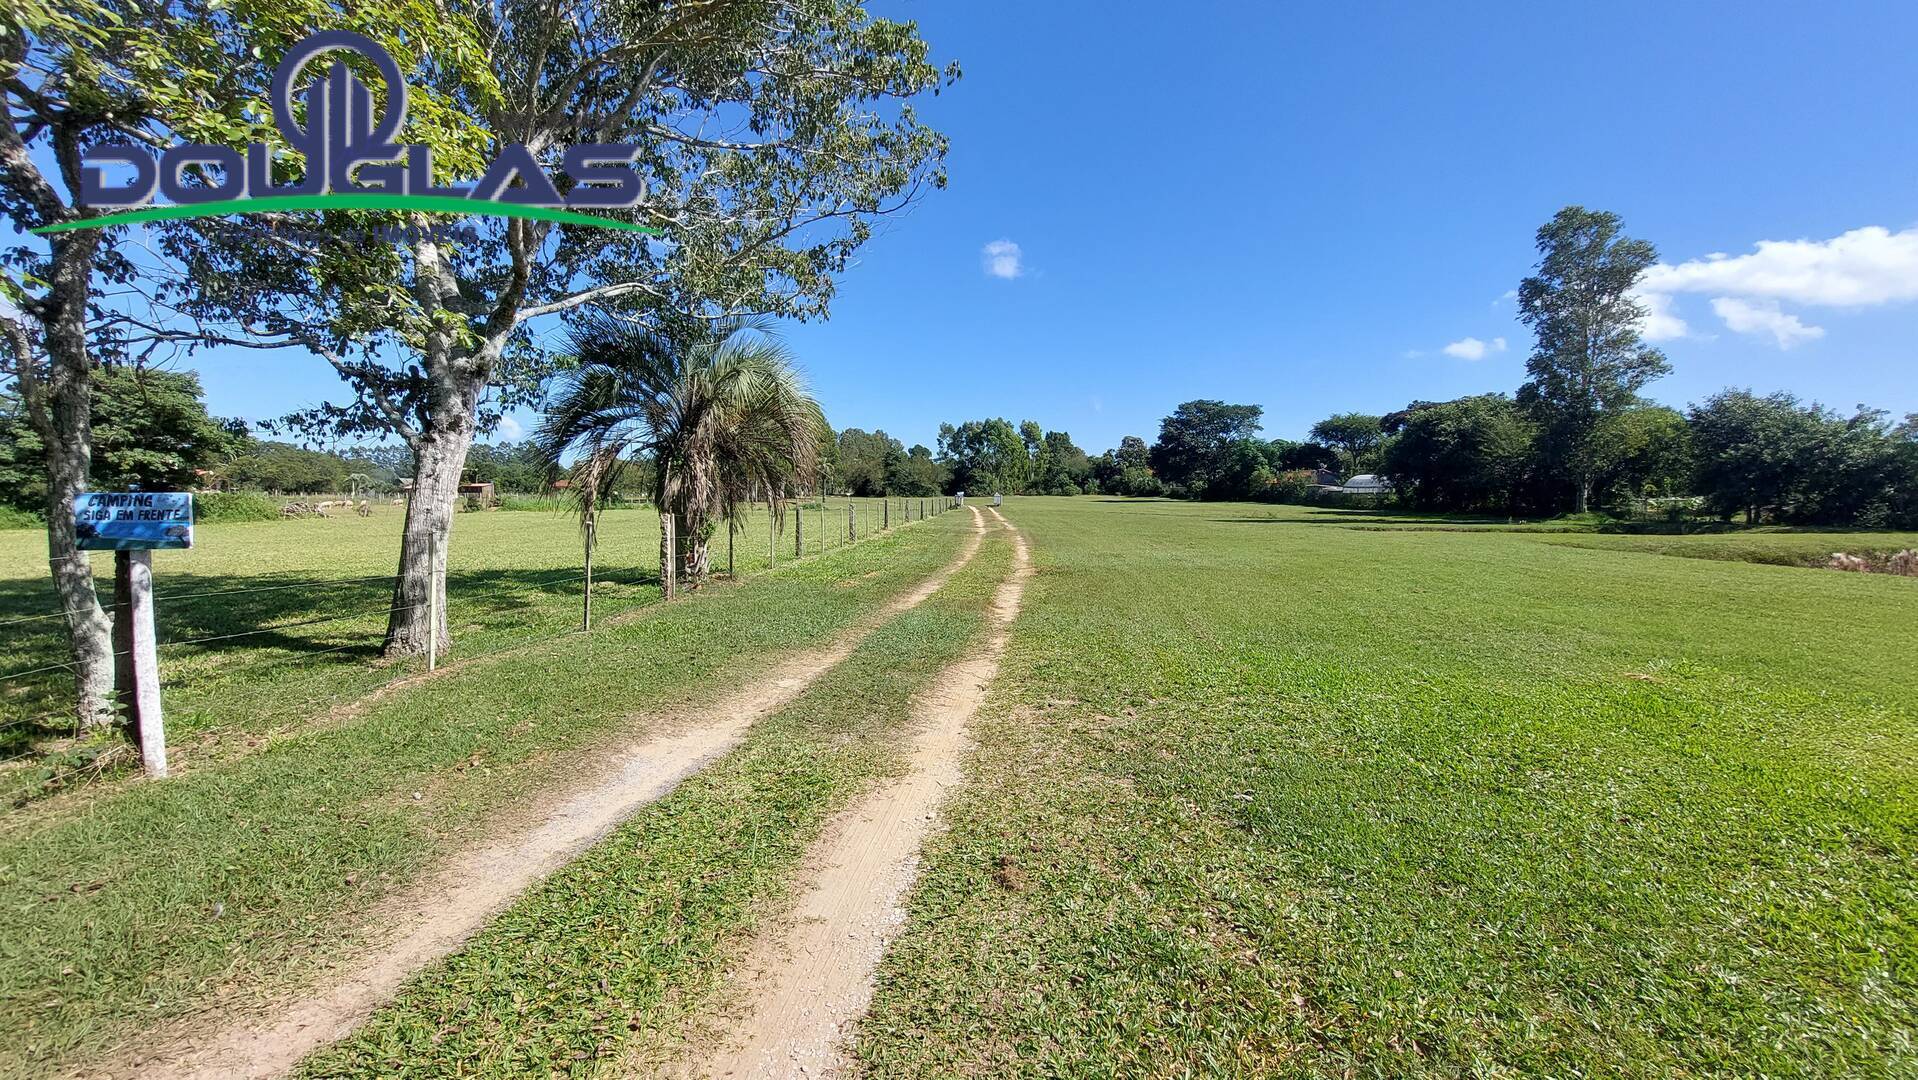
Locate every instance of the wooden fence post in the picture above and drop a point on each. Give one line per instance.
(137, 657)
(799, 528)
(586, 614)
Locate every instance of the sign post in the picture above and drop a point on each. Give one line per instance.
(586, 616)
(131, 524)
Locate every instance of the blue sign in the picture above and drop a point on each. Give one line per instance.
(126, 520)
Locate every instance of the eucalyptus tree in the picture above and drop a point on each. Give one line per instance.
(1590, 361)
(768, 137)
(717, 408)
(76, 75)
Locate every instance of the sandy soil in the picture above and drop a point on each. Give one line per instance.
(811, 976)
(430, 919)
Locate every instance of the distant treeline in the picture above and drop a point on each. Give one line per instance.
(1736, 454)
(152, 432)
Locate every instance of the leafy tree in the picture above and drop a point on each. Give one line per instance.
(80, 73)
(1589, 360)
(1755, 452)
(985, 456)
(1804, 462)
(1195, 443)
(865, 461)
(1289, 456)
(519, 468)
(150, 428)
(1061, 467)
(1125, 470)
(720, 409)
(386, 463)
(433, 337)
(1355, 436)
(1247, 472)
(1469, 454)
(916, 473)
(285, 469)
(1642, 452)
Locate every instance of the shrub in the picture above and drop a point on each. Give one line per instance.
(1294, 486)
(219, 506)
(15, 518)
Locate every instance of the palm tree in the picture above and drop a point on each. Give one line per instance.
(720, 409)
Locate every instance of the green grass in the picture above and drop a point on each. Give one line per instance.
(148, 900)
(1262, 797)
(616, 951)
(263, 624)
(1776, 547)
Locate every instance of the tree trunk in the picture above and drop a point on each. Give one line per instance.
(1583, 498)
(429, 520)
(694, 534)
(68, 434)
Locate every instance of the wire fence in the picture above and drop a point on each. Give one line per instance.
(244, 653)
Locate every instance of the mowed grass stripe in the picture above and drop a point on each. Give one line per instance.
(156, 899)
(607, 961)
(1271, 798)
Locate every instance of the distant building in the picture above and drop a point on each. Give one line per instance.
(1366, 484)
(1325, 478)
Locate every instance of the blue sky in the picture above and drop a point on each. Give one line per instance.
(1304, 208)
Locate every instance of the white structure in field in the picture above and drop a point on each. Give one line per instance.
(1366, 484)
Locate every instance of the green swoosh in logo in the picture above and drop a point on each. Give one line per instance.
(437, 204)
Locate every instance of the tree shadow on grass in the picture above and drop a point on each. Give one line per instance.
(216, 628)
(1359, 518)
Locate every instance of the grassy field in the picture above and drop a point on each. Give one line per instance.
(1259, 794)
(1259, 791)
(263, 624)
(145, 901)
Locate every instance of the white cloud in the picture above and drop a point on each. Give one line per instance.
(1472, 348)
(1002, 259)
(1660, 323)
(510, 429)
(1863, 268)
(1763, 317)
(1867, 267)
